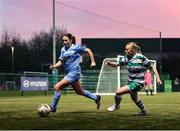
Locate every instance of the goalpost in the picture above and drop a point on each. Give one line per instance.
(110, 78)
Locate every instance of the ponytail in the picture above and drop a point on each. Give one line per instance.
(138, 49)
(73, 39)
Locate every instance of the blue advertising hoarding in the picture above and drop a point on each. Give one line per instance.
(34, 83)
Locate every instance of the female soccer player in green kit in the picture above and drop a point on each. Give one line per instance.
(136, 64)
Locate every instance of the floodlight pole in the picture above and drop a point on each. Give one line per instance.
(54, 71)
(54, 34)
(160, 40)
(12, 60)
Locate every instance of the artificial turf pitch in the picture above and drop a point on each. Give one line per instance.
(76, 112)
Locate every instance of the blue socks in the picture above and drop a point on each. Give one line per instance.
(57, 95)
(89, 95)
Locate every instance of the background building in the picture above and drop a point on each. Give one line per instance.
(150, 47)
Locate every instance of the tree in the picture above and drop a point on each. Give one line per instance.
(41, 46)
(29, 55)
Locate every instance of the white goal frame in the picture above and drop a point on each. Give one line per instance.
(119, 76)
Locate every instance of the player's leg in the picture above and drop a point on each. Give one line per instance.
(138, 102)
(79, 90)
(134, 87)
(58, 87)
(151, 89)
(146, 89)
(118, 97)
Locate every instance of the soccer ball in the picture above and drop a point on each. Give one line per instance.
(43, 110)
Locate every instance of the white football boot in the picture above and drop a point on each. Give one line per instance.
(113, 108)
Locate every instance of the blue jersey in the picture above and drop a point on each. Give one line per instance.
(71, 58)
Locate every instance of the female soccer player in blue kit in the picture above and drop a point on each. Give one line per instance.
(70, 58)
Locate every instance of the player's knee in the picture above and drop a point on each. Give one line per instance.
(118, 92)
(79, 92)
(56, 88)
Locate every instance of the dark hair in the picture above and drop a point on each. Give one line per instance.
(73, 39)
(69, 35)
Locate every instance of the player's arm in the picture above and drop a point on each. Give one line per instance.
(58, 64)
(113, 64)
(157, 74)
(120, 62)
(93, 63)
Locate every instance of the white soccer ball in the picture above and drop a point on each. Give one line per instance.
(43, 110)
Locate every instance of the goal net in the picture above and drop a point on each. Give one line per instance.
(110, 78)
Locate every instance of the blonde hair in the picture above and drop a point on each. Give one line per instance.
(134, 46)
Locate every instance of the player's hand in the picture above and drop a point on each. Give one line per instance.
(159, 81)
(107, 63)
(51, 67)
(93, 64)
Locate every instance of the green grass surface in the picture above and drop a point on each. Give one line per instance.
(77, 112)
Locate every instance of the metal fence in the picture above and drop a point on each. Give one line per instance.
(89, 80)
(12, 81)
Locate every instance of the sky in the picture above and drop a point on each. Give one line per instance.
(93, 18)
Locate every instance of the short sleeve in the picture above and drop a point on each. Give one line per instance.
(61, 55)
(121, 61)
(146, 62)
(80, 48)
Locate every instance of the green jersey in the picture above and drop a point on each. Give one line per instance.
(136, 66)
